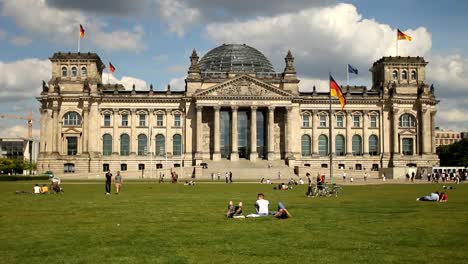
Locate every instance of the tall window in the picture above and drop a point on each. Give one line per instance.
(407, 120)
(142, 145)
(374, 121)
(142, 122)
(72, 145)
(177, 120)
(177, 145)
(407, 146)
(124, 145)
(72, 119)
(323, 145)
(357, 145)
(404, 75)
(124, 120)
(339, 120)
(106, 145)
(395, 75)
(84, 72)
(357, 121)
(160, 145)
(107, 120)
(159, 120)
(323, 120)
(413, 75)
(305, 120)
(340, 145)
(305, 145)
(74, 72)
(373, 145)
(64, 71)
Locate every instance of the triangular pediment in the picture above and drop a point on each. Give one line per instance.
(244, 85)
(71, 130)
(407, 132)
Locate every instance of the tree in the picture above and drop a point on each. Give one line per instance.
(455, 154)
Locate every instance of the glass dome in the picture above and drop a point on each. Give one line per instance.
(236, 58)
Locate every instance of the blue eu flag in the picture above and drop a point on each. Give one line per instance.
(351, 69)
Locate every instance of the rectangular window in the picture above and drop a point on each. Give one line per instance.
(142, 122)
(323, 121)
(141, 166)
(339, 121)
(305, 121)
(357, 121)
(105, 167)
(177, 120)
(123, 167)
(69, 168)
(107, 120)
(72, 145)
(124, 120)
(159, 120)
(373, 121)
(407, 146)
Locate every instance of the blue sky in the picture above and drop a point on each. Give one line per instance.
(149, 41)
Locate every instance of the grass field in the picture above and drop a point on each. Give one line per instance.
(152, 223)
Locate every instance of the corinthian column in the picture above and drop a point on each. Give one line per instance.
(253, 133)
(115, 136)
(235, 148)
(396, 142)
(271, 133)
(55, 132)
(199, 132)
(217, 134)
(85, 128)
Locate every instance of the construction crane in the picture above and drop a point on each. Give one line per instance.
(30, 120)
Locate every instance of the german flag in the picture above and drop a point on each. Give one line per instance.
(335, 91)
(111, 68)
(402, 36)
(82, 31)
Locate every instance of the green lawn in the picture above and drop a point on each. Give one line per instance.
(152, 223)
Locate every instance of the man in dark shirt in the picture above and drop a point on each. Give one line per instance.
(108, 182)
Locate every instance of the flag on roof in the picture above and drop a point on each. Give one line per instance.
(401, 36)
(82, 31)
(111, 68)
(335, 91)
(352, 69)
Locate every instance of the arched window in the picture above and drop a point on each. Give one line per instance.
(74, 71)
(124, 145)
(160, 145)
(407, 120)
(84, 72)
(323, 145)
(373, 145)
(177, 145)
(357, 145)
(305, 145)
(340, 145)
(106, 145)
(64, 71)
(404, 75)
(305, 120)
(395, 75)
(413, 75)
(72, 119)
(142, 145)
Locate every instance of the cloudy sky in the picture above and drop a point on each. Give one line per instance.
(149, 42)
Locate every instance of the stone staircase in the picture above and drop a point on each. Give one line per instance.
(247, 170)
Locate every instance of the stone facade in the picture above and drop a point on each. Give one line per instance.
(88, 127)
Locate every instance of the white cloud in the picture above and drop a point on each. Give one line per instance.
(126, 81)
(177, 83)
(178, 15)
(449, 72)
(37, 17)
(20, 131)
(21, 40)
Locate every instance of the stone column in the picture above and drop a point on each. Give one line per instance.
(433, 146)
(50, 131)
(217, 134)
(199, 133)
(253, 133)
(349, 136)
(426, 131)
(55, 132)
(133, 133)
(365, 133)
(271, 133)
(396, 142)
(43, 132)
(94, 129)
(115, 136)
(288, 131)
(188, 117)
(385, 133)
(235, 148)
(314, 139)
(85, 133)
(168, 137)
(331, 140)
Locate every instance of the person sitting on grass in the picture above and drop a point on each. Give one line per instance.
(261, 206)
(432, 197)
(44, 189)
(282, 212)
(443, 197)
(36, 189)
(234, 211)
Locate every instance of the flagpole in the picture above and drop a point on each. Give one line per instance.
(397, 44)
(329, 131)
(79, 42)
(347, 75)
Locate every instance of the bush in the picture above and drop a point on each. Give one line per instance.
(23, 178)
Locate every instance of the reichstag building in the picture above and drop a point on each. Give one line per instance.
(235, 106)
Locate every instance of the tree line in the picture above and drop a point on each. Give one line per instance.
(15, 166)
(454, 155)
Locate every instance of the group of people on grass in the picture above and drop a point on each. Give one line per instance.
(434, 197)
(118, 181)
(227, 176)
(261, 209)
(456, 177)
